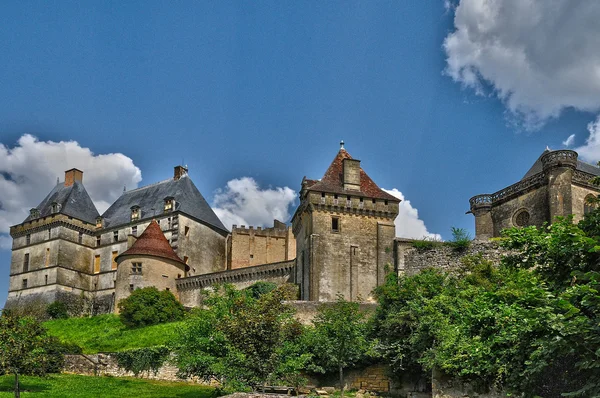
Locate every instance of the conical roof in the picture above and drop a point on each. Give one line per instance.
(152, 242)
(333, 181)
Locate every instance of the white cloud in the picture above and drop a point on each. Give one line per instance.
(540, 57)
(5, 242)
(569, 141)
(243, 202)
(590, 152)
(408, 223)
(28, 172)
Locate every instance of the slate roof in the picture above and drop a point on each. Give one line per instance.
(582, 166)
(333, 181)
(151, 198)
(152, 242)
(73, 201)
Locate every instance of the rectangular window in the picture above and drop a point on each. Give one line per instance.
(335, 199)
(131, 287)
(186, 231)
(80, 239)
(96, 264)
(185, 259)
(335, 224)
(169, 223)
(98, 240)
(24, 284)
(47, 261)
(116, 236)
(361, 203)
(348, 201)
(50, 233)
(134, 230)
(322, 198)
(46, 277)
(28, 239)
(114, 261)
(136, 268)
(26, 262)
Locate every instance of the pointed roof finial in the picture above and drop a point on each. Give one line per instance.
(124, 188)
(341, 144)
(57, 180)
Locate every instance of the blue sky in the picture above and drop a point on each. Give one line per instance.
(266, 90)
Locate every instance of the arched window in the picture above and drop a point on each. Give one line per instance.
(589, 203)
(521, 218)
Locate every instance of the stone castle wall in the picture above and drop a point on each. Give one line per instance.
(254, 246)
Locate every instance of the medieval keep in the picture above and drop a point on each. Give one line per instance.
(557, 185)
(166, 235)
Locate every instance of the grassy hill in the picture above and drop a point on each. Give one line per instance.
(106, 333)
(66, 386)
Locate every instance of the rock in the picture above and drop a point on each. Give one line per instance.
(322, 393)
(329, 390)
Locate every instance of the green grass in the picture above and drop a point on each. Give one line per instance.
(106, 333)
(65, 386)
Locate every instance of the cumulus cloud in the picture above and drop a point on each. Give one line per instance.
(243, 202)
(408, 223)
(591, 150)
(539, 57)
(569, 141)
(28, 171)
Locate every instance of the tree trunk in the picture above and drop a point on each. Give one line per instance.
(17, 390)
(342, 380)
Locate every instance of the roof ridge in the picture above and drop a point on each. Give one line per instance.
(148, 186)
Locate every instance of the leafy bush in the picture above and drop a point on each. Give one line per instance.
(259, 288)
(425, 244)
(461, 239)
(57, 310)
(149, 306)
(142, 359)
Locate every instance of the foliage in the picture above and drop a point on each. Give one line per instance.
(142, 359)
(149, 306)
(530, 325)
(259, 288)
(239, 340)
(338, 339)
(461, 239)
(57, 310)
(106, 333)
(76, 386)
(425, 244)
(25, 348)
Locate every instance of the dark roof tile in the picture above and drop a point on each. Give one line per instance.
(72, 201)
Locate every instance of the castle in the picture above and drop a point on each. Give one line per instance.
(341, 240)
(166, 235)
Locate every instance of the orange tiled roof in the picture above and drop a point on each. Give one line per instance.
(333, 181)
(152, 242)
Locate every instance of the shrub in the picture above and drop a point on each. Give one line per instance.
(461, 239)
(57, 310)
(259, 288)
(149, 306)
(142, 359)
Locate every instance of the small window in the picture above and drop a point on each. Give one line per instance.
(98, 222)
(96, 264)
(26, 262)
(136, 268)
(46, 279)
(185, 259)
(322, 197)
(521, 218)
(169, 223)
(55, 207)
(28, 239)
(335, 224)
(116, 236)
(24, 284)
(169, 204)
(114, 259)
(134, 230)
(178, 276)
(187, 231)
(49, 233)
(361, 203)
(47, 260)
(252, 256)
(167, 289)
(131, 287)
(80, 239)
(374, 201)
(135, 213)
(98, 240)
(348, 201)
(385, 202)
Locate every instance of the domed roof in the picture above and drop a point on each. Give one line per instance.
(152, 242)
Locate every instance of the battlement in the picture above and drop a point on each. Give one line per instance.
(278, 229)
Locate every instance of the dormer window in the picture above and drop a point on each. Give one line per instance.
(135, 213)
(55, 207)
(169, 203)
(99, 222)
(34, 213)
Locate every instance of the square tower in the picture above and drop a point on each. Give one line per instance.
(344, 230)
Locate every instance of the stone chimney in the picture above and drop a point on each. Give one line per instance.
(180, 171)
(73, 175)
(351, 174)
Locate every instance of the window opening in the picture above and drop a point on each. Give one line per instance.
(96, 264)
(335, 224)
(28, 239)
(116, 236)
(26, 262)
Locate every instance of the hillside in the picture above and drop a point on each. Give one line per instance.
(106, 333)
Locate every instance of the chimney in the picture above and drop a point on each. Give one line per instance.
(180, 171)
(73, 175)
(351, 174)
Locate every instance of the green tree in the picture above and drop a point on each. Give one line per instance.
(25, 348)
(339, 338)
(149, 306)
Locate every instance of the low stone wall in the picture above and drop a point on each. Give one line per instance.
(307, 310)
(411, 260)
(106, 365)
